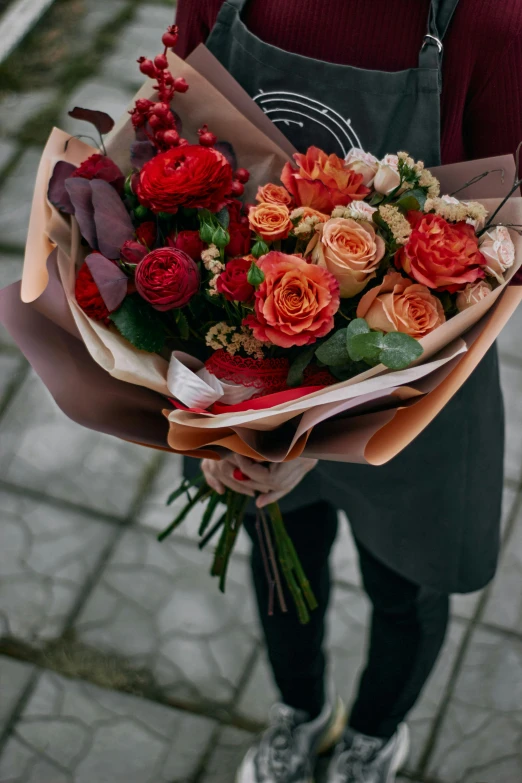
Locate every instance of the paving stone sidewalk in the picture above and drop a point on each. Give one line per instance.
(119, 660)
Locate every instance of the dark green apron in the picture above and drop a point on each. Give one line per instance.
(433, 513)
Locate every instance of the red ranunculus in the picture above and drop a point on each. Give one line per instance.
(101, 167)
(89, 297)
(188, 241)
(132, 252)
(146, 234)
(167, 278)
(240, 235)
(233, 283)
(441, 255)
(191, 176)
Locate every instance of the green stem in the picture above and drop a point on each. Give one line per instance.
(209, 513)
(232, 538)
(200, 494)
(285, 559)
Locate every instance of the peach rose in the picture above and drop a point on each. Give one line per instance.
(273, 194)
(296, 303)
(398, 305)
(499, 251)
(387, 177)
(363, 163)
(307, 212)
(322, 181)
(473, 293)
(351, 250)
(270, 221)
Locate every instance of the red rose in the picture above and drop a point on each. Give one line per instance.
(233, 283)
(240, 235)
(132, 252)
(188, 241)
(89, 297)
(167, 278)
(190, 176)
(441, 255)
(146, 234)
(101, 167)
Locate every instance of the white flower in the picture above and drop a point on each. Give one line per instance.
(359, 210)
(387, 177)
(472, 294)
(363, 163)
(499, 251)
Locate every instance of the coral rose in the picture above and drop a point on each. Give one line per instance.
(270, 221)
(441, 255)
(273, 194)
(398, 305)
(322, 181)
(472, 294)
(233, 282)
(499, 251)
(191, 176)
(167, 278)
(189, 241)
(296, 303)
(351, 250)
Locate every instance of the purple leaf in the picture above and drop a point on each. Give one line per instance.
(178, 121)
(102, 122)
(111, 281)
(141, 153)
(80, 193)
(112, 221)
(57, 193)
(226, 149)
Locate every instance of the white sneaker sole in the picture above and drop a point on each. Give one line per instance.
(402, 753)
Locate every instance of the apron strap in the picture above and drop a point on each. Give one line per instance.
(440, 15)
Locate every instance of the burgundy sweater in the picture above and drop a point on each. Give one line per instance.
(481, 100)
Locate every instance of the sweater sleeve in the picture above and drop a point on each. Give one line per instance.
(493, 120)
(195, 19)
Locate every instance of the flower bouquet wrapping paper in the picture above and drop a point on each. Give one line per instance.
(188, 288)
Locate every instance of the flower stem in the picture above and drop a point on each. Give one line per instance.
(200, 494)
(287, 558)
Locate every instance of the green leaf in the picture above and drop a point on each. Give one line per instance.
(183, 325)
(366, 347)
(376, 199)
(412, 200)
(223, 217)
(140, 324)
(334, 352)
(399, 350)
(299, 365)
(255, 276)
(260, 248)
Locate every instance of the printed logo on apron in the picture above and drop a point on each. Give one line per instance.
(290, 108)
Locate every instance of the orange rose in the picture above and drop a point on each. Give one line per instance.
(351, 250)
(322, 181)
(441, 255)
(273, 194)
(398, 305)
(296, 303)
(306, 212)
(270, 221)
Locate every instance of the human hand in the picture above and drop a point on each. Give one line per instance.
(271, 481)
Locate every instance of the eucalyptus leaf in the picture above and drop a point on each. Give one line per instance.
(223, 217)
(366, 347)
(333, 352)
(399, 350)
(183, 325)
(140, 324)
(299, 365)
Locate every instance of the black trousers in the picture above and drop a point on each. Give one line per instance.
(407, 631)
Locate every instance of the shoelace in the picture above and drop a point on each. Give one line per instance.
(354, 763)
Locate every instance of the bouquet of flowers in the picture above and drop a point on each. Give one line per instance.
(312, 299)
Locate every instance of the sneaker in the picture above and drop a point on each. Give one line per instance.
(287, 751)
(362, 759)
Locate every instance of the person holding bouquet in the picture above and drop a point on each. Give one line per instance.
(439, 79)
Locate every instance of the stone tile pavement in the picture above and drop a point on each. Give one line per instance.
(119, 660)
